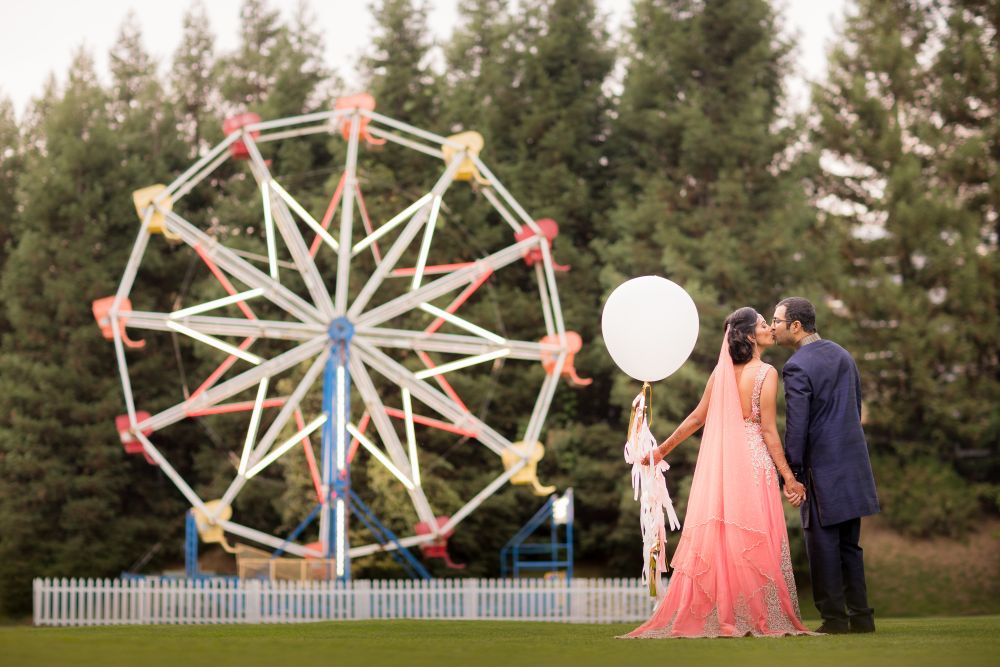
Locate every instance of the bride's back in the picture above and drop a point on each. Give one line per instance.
(746, 378)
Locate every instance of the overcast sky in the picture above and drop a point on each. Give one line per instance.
(38, 37)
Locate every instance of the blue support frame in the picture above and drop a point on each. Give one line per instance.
(298, 531)
(413, 567)
(336, 478)
(191, 546)
(560, 553)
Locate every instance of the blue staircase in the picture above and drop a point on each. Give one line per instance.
(554, 555)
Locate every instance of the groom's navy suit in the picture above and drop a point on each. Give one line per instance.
(826, 449)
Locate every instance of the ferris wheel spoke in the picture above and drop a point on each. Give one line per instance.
(226, 326)
(347, 216)
(410, 129)
(405, 542)
(544, 400)
(487, 491)
(402, 241)
(135, 257)
(387, 433)
(243, 381)
(267, 539)
(169, 471)
(430, 396)
(290, 233)
(243, 270)
(507, 197)
(290, 406)
(288, 410)
(453, 343)
(444, 284)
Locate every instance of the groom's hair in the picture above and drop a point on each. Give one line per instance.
(802, 310)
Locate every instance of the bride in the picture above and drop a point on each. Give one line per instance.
(732, 569)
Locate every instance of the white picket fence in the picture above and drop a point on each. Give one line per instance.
(183, 601)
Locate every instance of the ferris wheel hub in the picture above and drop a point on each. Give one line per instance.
(341, 330)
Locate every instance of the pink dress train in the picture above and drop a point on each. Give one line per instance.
(732, 572)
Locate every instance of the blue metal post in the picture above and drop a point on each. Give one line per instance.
(191, 546)
(336, 471)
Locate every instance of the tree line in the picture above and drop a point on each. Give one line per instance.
(671, 151)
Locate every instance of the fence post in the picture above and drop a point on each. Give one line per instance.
(251, 602)
(470, 598)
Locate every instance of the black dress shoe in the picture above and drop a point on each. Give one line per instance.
(833, 629)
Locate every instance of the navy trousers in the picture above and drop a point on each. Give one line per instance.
(837, 569)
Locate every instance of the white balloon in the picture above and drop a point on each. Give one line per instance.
(650, 325)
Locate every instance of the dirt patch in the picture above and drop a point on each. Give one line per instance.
(908, 576)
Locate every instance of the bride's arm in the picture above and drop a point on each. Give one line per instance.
(769, 429)
(691, 424)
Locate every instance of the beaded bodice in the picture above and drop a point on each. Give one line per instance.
(760, 458)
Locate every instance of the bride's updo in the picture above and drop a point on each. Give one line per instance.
(742, 325)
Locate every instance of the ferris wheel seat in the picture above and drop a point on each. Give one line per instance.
(438, 547)
(209, 531)
(472, 143)
(574, 343)
(129, 442)
(550, 230)
(102, 315)
(143, 198)
(531, 453)
(360, 102)
(238, 149)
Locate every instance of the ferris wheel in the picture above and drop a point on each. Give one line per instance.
(289, 316)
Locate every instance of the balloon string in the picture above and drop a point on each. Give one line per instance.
(647, 393)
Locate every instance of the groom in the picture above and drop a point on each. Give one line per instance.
(826, 449)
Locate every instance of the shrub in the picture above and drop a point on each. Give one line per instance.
(925, 497)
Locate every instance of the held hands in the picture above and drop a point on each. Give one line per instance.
(795, 492)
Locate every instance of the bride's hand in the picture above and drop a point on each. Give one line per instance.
(657, 457)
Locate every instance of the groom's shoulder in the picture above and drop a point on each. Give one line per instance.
(819, 353)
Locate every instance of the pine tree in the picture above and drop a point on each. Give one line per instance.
(72, 503)
(192, 82)
(908, 123)
(11, 160)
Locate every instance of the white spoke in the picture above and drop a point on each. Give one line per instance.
(218, 303)
(411, 437)
(286, 445)
(390, 225)
(304, 214)
(425, 245)
(461, 323)
(272, 249)
(242, 269)
(215, 342)
(382, 458)
(461, 363)
(258, 405)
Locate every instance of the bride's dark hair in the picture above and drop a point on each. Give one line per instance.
(742, 324)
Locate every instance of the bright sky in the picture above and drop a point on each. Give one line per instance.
(38, 37)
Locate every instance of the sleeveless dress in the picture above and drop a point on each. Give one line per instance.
(732, 572)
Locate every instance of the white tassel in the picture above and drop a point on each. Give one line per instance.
(650, 489)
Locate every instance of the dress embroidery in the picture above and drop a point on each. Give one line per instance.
(760, 458)
(787, 572)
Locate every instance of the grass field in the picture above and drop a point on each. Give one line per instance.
(969, 641)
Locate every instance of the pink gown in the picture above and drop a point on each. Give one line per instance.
(732, 572)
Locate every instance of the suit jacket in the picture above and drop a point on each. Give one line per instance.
(824, 442)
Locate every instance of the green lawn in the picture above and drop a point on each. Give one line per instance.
(965, 641)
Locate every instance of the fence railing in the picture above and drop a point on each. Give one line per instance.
(186, 601)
